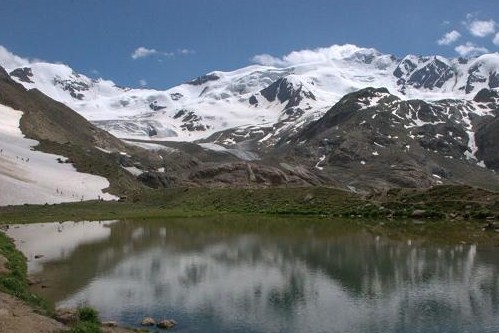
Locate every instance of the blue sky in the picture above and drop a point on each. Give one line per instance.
(161, 43)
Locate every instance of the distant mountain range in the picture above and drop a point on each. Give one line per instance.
(255, 95)
(359, 120)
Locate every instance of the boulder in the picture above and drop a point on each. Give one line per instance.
(418, 213)
(148, 321)
(67, 316)
(109, 324)
(166, 324)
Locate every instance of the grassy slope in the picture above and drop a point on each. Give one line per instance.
(439, 202)
(16, 282)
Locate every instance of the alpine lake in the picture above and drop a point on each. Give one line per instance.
(253, 274)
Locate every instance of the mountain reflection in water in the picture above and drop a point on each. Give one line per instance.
(267, 276)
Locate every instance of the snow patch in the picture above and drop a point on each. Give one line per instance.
(32, 177)
(321, 159)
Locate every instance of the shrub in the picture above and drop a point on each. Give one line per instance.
(88, 314)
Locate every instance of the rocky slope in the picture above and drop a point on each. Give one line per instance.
(372, 138)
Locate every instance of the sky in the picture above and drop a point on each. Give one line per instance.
(162, 43)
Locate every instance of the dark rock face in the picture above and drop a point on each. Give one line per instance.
(156, 179)
(155, 107)
(405, 66)
(203, 79)
(433, 74)
(179, 114)
(151, 131)
(176, 96)
(23, 74)
(253, 100)
(191, 121)
(285, 91)
(75, 88)
(494, 80)
(473, 78)
(486, 96)
(487, 141)
(251, 174)
(3, 74)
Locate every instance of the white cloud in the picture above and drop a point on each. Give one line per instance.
(470, 49)
(319, 55)
(449, 38)
(480, 28)
(142, 82)
(185, 51)
(496, 39)
(267, 60)
(10, 61)
(143, 52)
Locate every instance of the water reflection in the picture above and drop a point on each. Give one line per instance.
(230, 277)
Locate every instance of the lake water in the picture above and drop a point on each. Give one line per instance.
(263, 276)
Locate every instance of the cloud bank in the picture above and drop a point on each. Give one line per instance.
(449, 38)
(143, 52)
(481, 28)
(496, 39)
(10, 61)
(470, 49)
(319, 55)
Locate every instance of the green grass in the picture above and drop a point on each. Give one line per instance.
(86, 327)
(443, 202)
(16, 282)
(88, 321)
(88, 314)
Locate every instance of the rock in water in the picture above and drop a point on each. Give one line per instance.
(67, 316)
(109, 324)
(166, 324)
(148, 321)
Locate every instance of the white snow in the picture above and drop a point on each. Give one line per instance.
(242, 154)
(32, 177)
(134, 170)
(321, 159)
(152, 146)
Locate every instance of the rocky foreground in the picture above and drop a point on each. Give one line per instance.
(16, 316)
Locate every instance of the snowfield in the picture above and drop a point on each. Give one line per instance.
(32, 177)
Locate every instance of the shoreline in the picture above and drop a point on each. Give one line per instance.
(448, 214)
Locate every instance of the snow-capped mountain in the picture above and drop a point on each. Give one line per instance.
(266, 100)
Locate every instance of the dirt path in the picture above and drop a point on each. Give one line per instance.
(17, 317)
